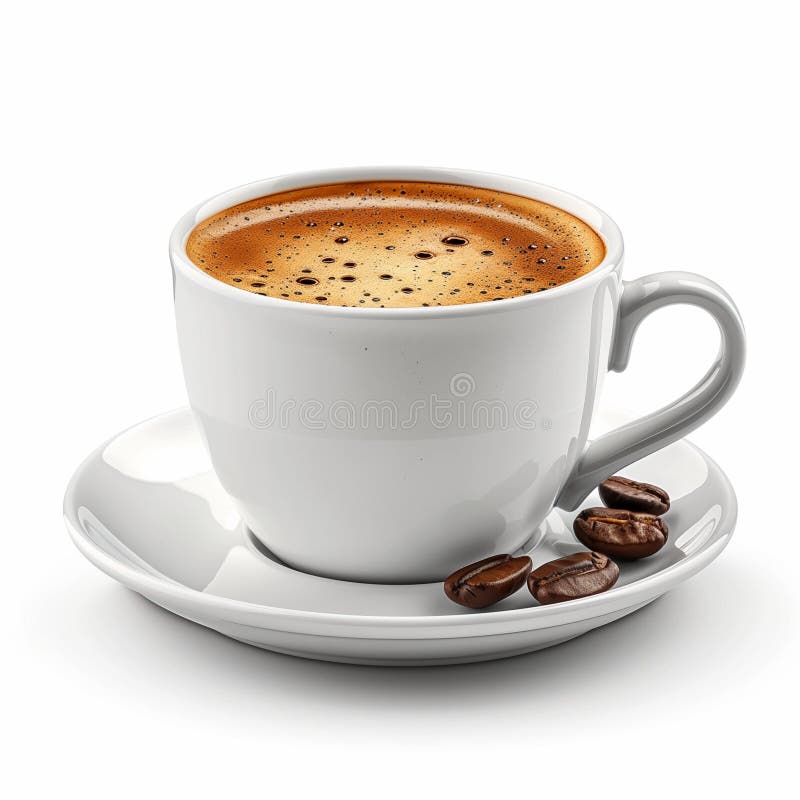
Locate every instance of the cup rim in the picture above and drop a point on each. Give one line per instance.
(597, 219)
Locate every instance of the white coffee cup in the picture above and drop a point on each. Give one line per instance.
(396, 444)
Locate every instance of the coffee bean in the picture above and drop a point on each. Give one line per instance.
(620, 533)
(619, 492)
(488, 581)
(576, 575)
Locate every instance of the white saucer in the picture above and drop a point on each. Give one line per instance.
(147, 509)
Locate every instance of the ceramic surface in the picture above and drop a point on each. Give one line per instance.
(386, 444)
(147, 509)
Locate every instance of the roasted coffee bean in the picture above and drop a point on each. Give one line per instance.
(620, 533)
(576, 575)
(488, 581)
(619, 492)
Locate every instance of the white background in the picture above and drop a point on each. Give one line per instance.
(678, 119)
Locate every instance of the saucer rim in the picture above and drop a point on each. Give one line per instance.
(528, 618)
(242, 611)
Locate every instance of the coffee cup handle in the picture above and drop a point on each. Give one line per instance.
(604, 456)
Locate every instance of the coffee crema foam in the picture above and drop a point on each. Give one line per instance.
(392, 244)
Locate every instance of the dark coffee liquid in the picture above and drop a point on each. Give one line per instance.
(394, 244)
